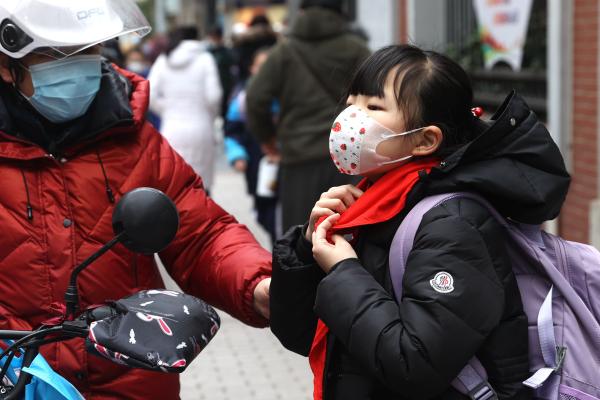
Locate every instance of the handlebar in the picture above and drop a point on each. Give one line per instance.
(32, 340)
(172, 327)
(14, 335)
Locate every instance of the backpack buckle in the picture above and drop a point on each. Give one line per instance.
(483, 391)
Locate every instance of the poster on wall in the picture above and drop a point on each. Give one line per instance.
(503, 29)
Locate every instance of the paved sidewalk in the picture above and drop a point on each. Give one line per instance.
(243, 363)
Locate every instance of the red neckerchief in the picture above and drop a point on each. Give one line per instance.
(380, 202)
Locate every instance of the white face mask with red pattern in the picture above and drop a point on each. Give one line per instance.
(353, 142)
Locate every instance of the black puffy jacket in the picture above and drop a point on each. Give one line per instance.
(382, 348)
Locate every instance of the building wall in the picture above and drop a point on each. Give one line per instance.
(576, 222)
(427, 24)
(378, 18)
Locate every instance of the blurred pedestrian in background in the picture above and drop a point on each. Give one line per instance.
(186, 94)
(259, 34)
(225, 63)
(308, 73)
(243, 151)
(136, 62)
(154, 46)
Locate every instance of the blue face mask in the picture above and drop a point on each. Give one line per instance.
(64, 89)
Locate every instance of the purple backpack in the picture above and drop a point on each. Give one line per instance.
(559, 283)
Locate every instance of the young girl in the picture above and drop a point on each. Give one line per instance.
(410, 131)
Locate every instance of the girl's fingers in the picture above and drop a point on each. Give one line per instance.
(315, 215)
(322, 211)
(333, 204)
(343, 194)
(347, 194)
(328, 222)
(321, 231)
(356, 192)
(338, 239)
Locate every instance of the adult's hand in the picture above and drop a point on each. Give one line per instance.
(336, 200)
(326, 254)
(261, 297)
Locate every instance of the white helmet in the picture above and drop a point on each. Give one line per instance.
(60, 28)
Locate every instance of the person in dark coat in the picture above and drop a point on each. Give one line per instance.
(244, 153)
(259, 35)
(333, 300)
(308, 74)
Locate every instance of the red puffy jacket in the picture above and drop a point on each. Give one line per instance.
(212, 257)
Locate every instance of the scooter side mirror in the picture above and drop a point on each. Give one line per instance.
(145, 220)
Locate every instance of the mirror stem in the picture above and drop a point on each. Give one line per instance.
(71, 295)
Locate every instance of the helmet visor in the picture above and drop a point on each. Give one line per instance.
(61, 28)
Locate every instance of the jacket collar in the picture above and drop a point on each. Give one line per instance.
(120, 107)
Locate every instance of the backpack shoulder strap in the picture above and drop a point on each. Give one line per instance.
(405, 235)
(472, 380)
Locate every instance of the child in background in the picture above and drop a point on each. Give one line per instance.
(410, 132)
(244, 153)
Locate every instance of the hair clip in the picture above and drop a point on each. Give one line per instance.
(477, 112)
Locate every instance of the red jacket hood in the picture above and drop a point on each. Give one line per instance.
(140, 95)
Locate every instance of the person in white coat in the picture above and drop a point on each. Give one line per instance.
(186, 93)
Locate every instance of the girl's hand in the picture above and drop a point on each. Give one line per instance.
(335, 200)
(327, 254)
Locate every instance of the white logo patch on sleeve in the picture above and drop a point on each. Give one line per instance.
(443, 282)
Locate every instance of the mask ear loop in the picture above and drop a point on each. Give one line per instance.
(398, 135)
(401, 134)
(15, 67)
(398, 160)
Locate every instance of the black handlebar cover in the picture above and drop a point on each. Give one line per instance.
(160, 330)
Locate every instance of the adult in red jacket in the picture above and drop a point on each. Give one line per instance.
(73, 140)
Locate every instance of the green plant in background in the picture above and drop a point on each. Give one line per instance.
(468, 54)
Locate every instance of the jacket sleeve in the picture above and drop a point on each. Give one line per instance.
(419, 345)
(262, 89)
(293, 291)
(235, 126)
(234, 150)
(213, 256)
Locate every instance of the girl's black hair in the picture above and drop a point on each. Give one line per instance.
(430, 89)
